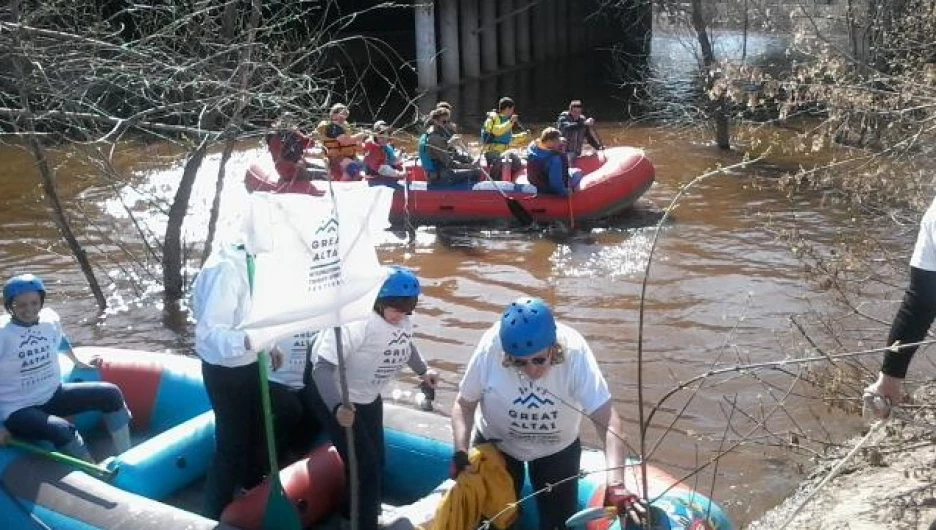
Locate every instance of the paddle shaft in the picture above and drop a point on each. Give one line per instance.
(77, 463)
(352, 454)
(513, 205)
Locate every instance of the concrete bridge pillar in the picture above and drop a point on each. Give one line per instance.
(470, 47)
(538, 31)
(426, 70)
(551, 29)
(448, 34)
(562, 32)
(524, 54)
(507, 33)
(489, 35)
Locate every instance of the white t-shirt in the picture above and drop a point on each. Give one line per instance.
(294, 362)
(374, 352)
(29, 364)
(924, 253)
(533, 419)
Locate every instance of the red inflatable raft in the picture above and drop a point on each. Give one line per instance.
(614, 180)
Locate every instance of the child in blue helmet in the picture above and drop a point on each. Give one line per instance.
(33, 399)
(535, 379)
(374, 351)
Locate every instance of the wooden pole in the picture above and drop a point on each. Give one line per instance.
(489, 35)
(507, 32)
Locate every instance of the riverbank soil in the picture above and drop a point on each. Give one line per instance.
(889, 483)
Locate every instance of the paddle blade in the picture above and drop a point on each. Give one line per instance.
(519, 212)
(280, 513)
(581, 518)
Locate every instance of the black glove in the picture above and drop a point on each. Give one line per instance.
(459, 463)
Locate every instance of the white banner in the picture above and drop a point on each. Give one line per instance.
(316, 266)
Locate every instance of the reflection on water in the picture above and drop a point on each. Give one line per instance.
(721, 288)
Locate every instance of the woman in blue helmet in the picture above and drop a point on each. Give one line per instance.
(33, 400)
(534, 380)
(374, 351)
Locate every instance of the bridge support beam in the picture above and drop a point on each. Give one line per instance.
(471, 52)
(507, 33)
(448, 33)
(426, 70)
(524, 54)
(489, 35)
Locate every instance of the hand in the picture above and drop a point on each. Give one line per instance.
(4, 436)
(514, 118)
(460, 464)
(430, 378)
(94, 362)
(589, 122)
(345, 415)
(891, 389)
(627, 504)
(276, 358)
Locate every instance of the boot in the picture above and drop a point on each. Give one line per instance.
(121, 437)
(78, 449)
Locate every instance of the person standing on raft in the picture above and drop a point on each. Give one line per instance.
(374, 351)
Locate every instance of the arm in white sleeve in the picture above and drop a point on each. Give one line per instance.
(218, 297)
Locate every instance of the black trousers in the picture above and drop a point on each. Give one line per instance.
(912, 321)
(368, 448)
(235, 398)
(294, 421)
(557, 505)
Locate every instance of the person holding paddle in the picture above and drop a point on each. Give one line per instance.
(33, 400)
(221, 297)
(534, 380)
(374, 351)
(548, 167)
(439, 159)
(577, 129)
(496, 136)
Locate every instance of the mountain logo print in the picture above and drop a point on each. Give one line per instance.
(531, 400)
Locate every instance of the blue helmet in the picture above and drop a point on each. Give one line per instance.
(19, 284)
(527, 327)
(400, 283)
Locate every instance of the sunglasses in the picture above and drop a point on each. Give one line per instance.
(536, 361)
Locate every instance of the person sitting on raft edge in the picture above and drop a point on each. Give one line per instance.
(577, 129)
(341, 145)
(547, 166)
(436, 156)
(288, 145)
(496, 137)
(34, 401)
(383, 164)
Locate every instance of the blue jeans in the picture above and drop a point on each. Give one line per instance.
(45, 422)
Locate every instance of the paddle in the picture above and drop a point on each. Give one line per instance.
(77, 463)
(280, 513)
(582, 517)
(352, 454)
(516, 209)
